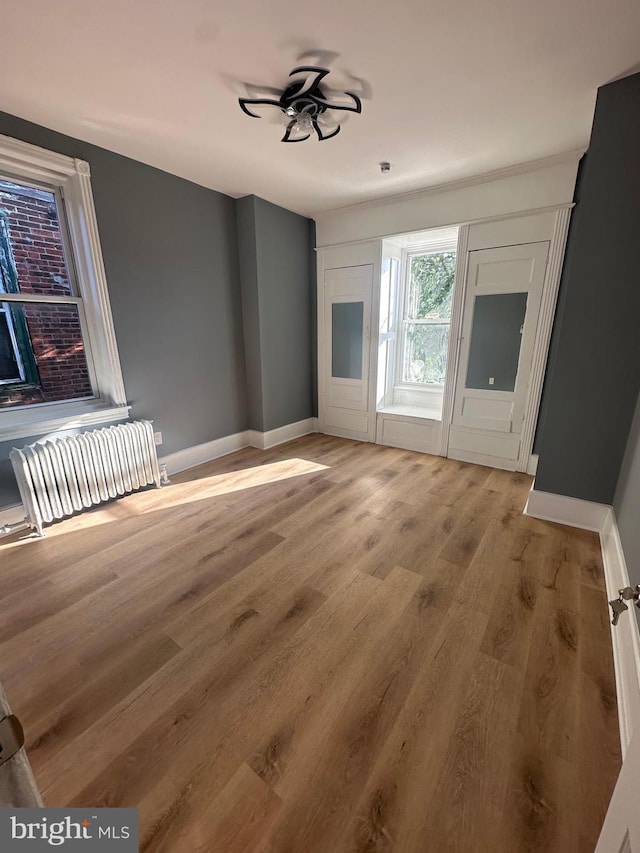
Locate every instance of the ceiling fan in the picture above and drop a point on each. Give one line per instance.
(305, 106)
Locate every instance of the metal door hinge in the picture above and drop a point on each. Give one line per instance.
(11, 738)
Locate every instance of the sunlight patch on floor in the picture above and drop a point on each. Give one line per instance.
(232, 481)
(175, 494)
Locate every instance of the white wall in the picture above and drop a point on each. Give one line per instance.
(534, 186)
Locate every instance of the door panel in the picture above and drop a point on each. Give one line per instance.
(500, 318)
(347, 324)
(621, 830)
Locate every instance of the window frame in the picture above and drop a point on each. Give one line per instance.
(433, 248)
(70, 179)
(21, 378)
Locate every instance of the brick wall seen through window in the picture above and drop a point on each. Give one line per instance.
(43, 355)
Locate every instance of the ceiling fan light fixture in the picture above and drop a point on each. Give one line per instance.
(304, 103)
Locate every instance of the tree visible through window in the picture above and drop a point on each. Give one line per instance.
(42, 351)
(427, 317)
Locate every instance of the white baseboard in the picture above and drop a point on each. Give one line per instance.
(11, 515)
(266, 440)
(565, 510)
(625, 635)
(201, 453)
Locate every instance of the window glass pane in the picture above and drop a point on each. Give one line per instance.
(346, 339)
(50, 346)
(496, 335)
(425, 352)
(431, 286)
(9, 365)
(32, 257)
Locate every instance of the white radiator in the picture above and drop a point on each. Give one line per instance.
(60, 477)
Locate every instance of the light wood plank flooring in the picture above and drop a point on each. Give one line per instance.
(325, 647)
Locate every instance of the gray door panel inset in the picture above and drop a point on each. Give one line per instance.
(496, 336)
(346, 339)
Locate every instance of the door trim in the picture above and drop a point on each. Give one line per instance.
(453, 353)
(549, 298)
(550, 287)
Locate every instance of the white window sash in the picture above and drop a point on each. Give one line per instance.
(403, 306)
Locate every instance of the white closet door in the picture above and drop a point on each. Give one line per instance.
(347, 324)
(500, 320)
(621, 830)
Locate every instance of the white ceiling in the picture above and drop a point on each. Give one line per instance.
(455, 89)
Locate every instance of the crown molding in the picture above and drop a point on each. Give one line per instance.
(436, 189)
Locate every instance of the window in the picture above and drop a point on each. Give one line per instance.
(426, 317)
(58, 359)
(416, 302)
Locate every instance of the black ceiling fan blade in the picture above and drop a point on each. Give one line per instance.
(312, 81)
(356, 108)
(257, 101)
(322, 136)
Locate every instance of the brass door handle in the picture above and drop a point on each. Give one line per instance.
(11, 738)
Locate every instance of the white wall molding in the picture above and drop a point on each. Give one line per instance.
(201, 453)
(266, 440)
(543, 335)
(565, 510)
(625, 635)
(572, 156)
(530, 188)
(11, 515)
(198, 454)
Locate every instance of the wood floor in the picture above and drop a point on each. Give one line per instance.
(322, 648)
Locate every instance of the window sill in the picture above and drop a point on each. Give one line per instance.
(424, 387)
(422, 413)
(58, 418)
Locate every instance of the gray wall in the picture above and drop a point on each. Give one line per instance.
(172, 259)
(626, 502)
(278, 294)
(592, 380)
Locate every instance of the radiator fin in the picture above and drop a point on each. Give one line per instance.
(57, 478)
